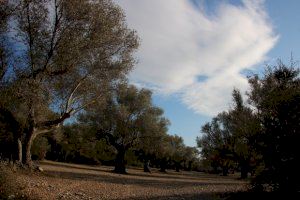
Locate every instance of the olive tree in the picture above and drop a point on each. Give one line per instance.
(177, 150)
(276, 97)
(122, 120)
(171, 151)
(153, 130)
(190, 156)
(63, 57)
(216, 144)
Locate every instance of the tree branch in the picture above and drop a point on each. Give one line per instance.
(51, 123)
(70, 99)
(29, 32)
(54, 32)
(82, 107)
(3, 68)
(109, 138)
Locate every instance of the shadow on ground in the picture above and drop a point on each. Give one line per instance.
(130, 180)
(75, 166)
(261, 195)
(155, 173)
(202, 196)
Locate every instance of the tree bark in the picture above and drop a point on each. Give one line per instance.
(163, 165)
(20, 149)
(190, 165)
(225, 171)
(244, 171)
(27, 148)
(146, 166)
(177, 167)
(120, 167)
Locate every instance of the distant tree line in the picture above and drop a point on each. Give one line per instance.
(125, 130)
(259, 136)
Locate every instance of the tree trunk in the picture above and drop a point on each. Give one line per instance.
(244, 171)
(120, 162)
(20, 156)
(163, 165)
(146, 166)
(27, 149)
(190, 166)
(177, 167)
(225, 171)
(215, 169)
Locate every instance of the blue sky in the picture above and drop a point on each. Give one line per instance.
(193, 53)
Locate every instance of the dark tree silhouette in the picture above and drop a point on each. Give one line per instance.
(276, 96)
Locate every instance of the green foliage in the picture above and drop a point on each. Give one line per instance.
(124, 120)
(172, 153)
(176, 151)
(153, 131)
(216, 144)
(104, 152)
(262, 139)
(79, 145)
(276, 96)
(132, 159)
(71, 53)
(73, 63)
(190, 158)
(40, 148)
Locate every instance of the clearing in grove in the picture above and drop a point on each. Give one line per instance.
(72, 181)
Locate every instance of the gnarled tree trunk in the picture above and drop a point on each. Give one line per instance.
(190, 166)
(120, 164)
(146, 166)
(184, 165)
(244, 170)
(163, 165)
(20, 149)
(177, 166)
(225, 171)
(30, 136)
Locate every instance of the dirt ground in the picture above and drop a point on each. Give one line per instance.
(70, 181)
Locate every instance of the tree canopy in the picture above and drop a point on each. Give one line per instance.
(58, 58)
(128, 120)
(261, 136)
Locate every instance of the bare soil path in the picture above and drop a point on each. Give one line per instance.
(71, 181)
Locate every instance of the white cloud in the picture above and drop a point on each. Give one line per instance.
(180, 42)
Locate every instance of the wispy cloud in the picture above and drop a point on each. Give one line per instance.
(181, 44)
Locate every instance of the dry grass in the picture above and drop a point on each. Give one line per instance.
(70, 181)
(10, 186)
